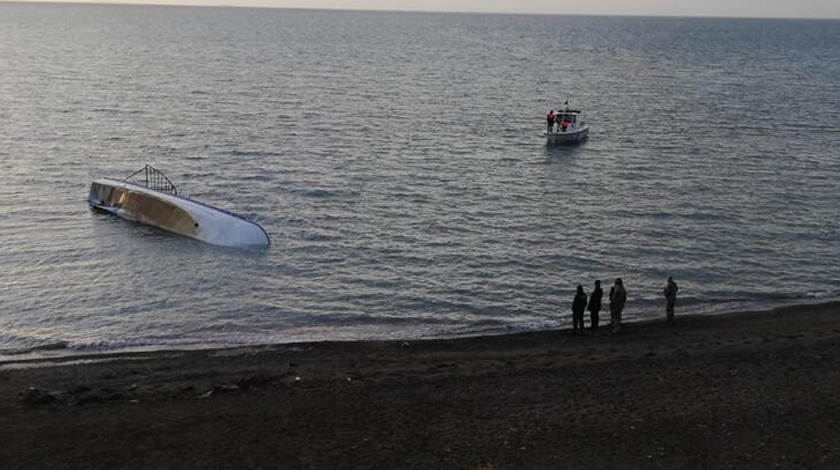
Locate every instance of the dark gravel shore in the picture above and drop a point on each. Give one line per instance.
(749, 390)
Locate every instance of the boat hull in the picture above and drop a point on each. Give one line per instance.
(567, 137)
(175, 214)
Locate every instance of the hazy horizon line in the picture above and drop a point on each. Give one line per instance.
(387, 10)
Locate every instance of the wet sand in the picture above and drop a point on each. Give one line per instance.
(749, 390)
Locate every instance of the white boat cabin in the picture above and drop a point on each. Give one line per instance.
(566, 126)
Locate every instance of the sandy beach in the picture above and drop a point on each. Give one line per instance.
(748, 390)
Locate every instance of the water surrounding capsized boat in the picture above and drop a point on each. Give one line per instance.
(149, 197)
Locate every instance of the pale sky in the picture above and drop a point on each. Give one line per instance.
(822, 9)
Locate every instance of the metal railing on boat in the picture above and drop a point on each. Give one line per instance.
(154, 179)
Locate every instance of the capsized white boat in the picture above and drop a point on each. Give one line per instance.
(149, 197)
(568, 127)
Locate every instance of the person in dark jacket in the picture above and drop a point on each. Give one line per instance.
(549, 120)
(670, 299)
(578, 307)
(595, 305)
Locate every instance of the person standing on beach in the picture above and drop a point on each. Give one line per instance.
(595, 305)
(578, 307)
(670, 299)
(617, 300)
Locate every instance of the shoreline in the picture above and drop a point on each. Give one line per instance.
(60, 354)
(754, 389)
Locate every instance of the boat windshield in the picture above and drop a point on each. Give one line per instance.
(568, 117)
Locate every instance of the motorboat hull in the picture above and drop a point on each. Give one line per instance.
(175, 214)
(568, 136)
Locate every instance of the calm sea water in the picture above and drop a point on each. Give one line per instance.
(396, 160)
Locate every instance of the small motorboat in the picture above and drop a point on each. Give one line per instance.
(568, 127)
(149, 197)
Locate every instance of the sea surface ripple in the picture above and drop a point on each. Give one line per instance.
(397, 163)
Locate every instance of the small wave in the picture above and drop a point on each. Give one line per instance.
(253, 153)
(318, 237)
(54, 346)
(318, 193)
(50, 346)
(259, 178)
(821, 295)
(197, 176)
(134, 344)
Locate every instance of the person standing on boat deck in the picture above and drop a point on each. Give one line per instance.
(595, 305)
(670, 292)
(578, 306)
(617, 300)
(550, 120)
